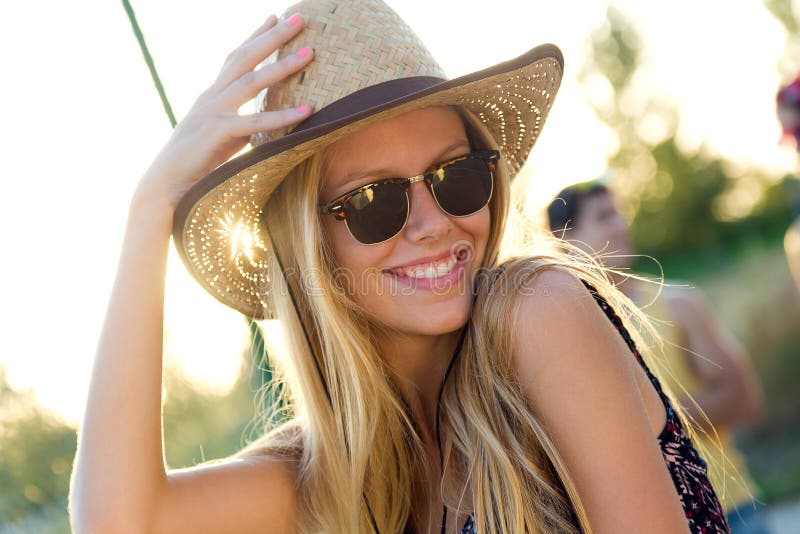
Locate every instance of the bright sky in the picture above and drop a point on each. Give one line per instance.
(82, 121)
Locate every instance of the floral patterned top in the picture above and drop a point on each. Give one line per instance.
(686, 467)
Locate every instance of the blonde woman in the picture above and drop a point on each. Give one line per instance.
(434, 383)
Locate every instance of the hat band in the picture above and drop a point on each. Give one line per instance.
(363, 100)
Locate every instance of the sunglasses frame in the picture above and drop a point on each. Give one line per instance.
(338, 206)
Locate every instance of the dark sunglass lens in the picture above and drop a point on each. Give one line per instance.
(377, 213)
(463, 187)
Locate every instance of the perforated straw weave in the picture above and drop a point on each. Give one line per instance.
(356, 44)
(368, 66)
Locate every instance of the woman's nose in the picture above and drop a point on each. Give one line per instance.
(426, 219)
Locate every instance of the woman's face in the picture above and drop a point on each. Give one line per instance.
(393, 279)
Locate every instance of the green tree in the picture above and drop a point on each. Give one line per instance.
(783, 11)
(37, 449)
(200, 427)
(683, 204)
(36, 453)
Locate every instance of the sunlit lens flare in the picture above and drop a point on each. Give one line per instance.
(225, 225)
(239, 237)
(242, 241)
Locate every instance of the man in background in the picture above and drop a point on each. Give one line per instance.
(703, 361)
(788, 110)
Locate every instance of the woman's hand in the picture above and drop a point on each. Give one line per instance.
(213, 131)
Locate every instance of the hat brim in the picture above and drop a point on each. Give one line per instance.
(216, 223)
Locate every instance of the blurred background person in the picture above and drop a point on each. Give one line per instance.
(788, 109)
(707, 370)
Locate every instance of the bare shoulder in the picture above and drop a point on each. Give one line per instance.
(559, 325)
(553, 285)
(231, 495)
(553, 304)
(580, 380)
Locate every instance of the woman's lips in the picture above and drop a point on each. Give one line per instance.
(441, 262)
(428, 270)
(444, 282)
(423, 263)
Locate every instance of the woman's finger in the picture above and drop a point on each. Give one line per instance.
(246, 125)
(253, 81)
(250, 54)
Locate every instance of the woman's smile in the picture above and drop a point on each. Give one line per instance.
(437, 274)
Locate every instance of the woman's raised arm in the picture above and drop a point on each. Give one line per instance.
(579, 378)
(120, 482)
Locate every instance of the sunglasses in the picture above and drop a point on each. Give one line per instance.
(378, 211)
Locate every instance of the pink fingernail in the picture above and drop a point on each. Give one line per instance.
(294, 19)
(302, 110)
(303, 52)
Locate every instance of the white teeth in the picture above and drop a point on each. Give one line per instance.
(432, 270)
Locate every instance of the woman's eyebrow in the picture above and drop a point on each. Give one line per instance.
(360, 175)
(463, 143)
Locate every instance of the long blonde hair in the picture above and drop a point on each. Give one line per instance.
(357, 438)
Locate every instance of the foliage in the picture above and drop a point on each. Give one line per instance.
(681, 201)
(200, 427)
(714, 223)
(38, 449)
(783, 11)
(37, 452)
(765, 319)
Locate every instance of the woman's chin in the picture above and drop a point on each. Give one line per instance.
(436, 320)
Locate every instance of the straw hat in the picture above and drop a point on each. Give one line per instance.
(368, 66)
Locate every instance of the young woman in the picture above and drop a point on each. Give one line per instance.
(431, 386)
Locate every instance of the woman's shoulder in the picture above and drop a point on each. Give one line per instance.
(537, 279)
(254, 487)
(522, 294)
(558, 318)
(557, 300)
(541, 307)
